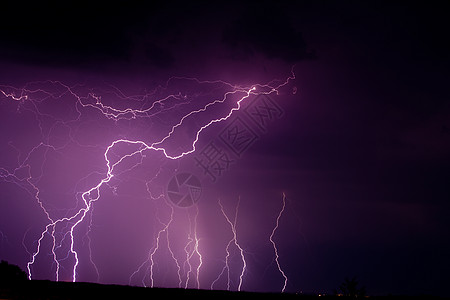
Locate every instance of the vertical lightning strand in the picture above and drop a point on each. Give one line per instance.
(174, 258)
(225, 267)
(196, 248)
(169, 248)
(193, 239)
(88, 237)
(54, 253)
(35, 254)
(187, 261)
(244, 263)
(152, 252)
(275, 246)
(164, 229)
(236, 243)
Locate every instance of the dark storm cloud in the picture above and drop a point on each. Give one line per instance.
(265, 28)
(158, 56)
(76, 33)
(89, 35)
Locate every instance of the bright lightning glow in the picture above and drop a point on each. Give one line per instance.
(192, 250)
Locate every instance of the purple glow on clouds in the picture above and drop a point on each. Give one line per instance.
(356, 146)
(99, 145)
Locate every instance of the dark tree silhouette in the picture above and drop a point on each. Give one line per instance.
(11, 274)
(350, 288)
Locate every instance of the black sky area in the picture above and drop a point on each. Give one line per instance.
(363, 150)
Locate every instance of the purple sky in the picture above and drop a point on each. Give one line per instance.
(358, 142)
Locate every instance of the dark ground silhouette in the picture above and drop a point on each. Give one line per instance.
(11, 275)
(43, 289)
(14, 284)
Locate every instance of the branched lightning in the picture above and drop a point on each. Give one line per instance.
(192, 251)
(233, 240)
(116, 165)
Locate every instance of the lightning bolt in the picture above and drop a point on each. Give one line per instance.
(192, 249)
(114, 162)
(227, 249)
(275, 246)
(193, 258)
(89, 246)
(164, 230)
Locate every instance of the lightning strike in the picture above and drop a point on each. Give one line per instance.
(237, 245)
(33, 96)
(192, 249)
(156, 248)
(275, 246)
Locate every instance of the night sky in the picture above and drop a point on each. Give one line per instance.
(348, 125)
